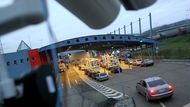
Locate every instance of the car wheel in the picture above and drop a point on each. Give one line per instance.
(147, 98)
(170, 96)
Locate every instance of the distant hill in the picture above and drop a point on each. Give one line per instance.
(156, 29)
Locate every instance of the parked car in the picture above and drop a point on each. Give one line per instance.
(93, 74)
(147, 62)
(137, 62)
(116, 70)
(154, 88)
(101, 76)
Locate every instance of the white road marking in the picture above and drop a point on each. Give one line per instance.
(76, 82)
(162, 104)
(187, 105)
(68, 80)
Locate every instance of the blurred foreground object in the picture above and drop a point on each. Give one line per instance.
(22, 13)
(137, 4)
(95, 13)
(100, 13)
(36, 89)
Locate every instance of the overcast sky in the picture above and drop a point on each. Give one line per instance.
(66, 26)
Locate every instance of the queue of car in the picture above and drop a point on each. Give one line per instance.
(152, 88)
(140, 62)
(99, 76)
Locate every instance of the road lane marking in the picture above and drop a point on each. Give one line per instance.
(68, 80)
(162, 104)
(187, 105)
(76, 82)
(101, 88)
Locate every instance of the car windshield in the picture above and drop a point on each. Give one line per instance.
(103, 74)
(156, 83)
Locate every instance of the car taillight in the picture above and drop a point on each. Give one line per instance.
(152, 91)
(170, 88)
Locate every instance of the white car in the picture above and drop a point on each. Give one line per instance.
(147, 62)
(137, 62)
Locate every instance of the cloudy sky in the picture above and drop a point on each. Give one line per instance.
(66, 26)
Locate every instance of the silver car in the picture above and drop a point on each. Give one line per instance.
(147, 62)
(101, 76)
(154, 88)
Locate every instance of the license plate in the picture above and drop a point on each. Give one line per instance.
(161, 90)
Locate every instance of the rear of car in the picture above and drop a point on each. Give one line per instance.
(158, 89)
(101, 76)
(154, 88)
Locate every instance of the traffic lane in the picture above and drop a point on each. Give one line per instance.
(170, 72)
(122, 83)
(80, 93)
(177, 74)
(180, 79)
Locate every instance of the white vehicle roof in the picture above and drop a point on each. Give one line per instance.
(151, 79)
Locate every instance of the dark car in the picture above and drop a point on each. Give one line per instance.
(93, 74)
(116, 70)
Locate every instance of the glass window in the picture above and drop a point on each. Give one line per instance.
(15, 62)
(8, 63)
(21, 60)
(156, 83)
(103, 74)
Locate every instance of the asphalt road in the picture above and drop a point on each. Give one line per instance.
(76, 93)
(177, 74)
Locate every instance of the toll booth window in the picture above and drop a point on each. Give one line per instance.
(112, 37)
(86, 39)
(77, 40)
(95, 38)
(121, 37)
(68, 42)
(129, 38)
(21, 60)
(104, 37)
(8, 63)
(15, 62)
